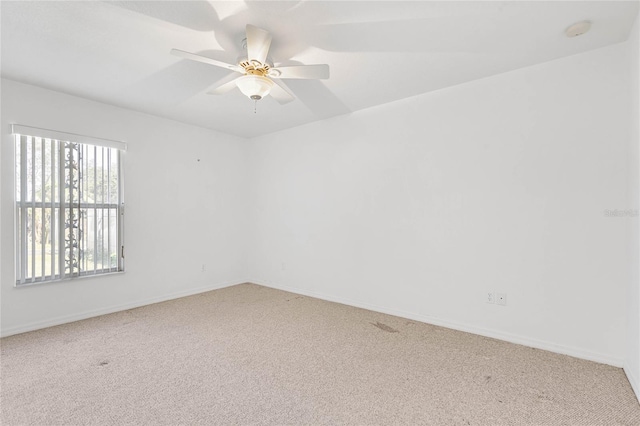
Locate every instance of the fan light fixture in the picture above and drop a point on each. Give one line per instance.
(255, 87)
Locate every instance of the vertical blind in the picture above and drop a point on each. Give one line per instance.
(69, 207)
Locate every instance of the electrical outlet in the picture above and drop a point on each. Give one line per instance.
(491, 297)
(501, 299)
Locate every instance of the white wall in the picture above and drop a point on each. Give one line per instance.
(180, 213)
(422, 206)
(632, 360)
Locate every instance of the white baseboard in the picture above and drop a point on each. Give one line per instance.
(495, 334)
(633, 380)
(37, 325)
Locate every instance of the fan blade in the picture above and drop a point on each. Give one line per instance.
(309, 72)
(281, 93)
(204, 59)
(225, 85)
(258, 43)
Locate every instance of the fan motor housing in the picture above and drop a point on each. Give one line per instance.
(254, 67)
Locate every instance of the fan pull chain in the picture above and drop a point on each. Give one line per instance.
(255, 106)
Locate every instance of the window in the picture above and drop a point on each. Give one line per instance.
(69, 206)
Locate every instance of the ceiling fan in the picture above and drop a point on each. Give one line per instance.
(259, 77)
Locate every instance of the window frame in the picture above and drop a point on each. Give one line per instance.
(19, 131)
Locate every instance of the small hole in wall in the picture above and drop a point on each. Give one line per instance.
(198, 160)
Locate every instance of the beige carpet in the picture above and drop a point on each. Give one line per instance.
(253, 355)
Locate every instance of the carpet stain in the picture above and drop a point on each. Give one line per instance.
(544, 397)
(487, 379)
(385, 327)
(103, 363)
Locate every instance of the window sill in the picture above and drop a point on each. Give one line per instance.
(66, 280)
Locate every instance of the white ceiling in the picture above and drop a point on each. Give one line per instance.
(379, 52)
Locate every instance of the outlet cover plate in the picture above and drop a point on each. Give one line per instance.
(501, 299)
(491, 297)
